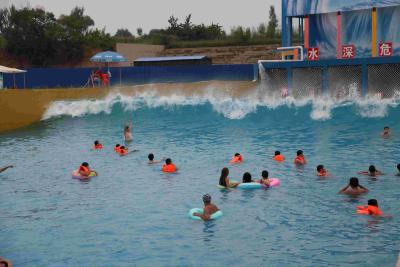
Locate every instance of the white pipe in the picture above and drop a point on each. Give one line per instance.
(287, 48)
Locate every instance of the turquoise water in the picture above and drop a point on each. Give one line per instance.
(132, 214)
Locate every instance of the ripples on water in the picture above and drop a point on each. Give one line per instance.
(134, 214)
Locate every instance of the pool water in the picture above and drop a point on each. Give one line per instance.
(134, 215)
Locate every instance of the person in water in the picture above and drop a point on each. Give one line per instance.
(224, 179)
(209, 208)
(278, 157)
(84, 170)
(117, 148)
(6, 168)
(386, 132)
(300, 159)
(372, 171)
(353, 188)
(237, 158)
(152, 160)
(247, 178)
(5, 263)
(398, 169)
(321, 171)
(123, 151)
(128, 133)
(97, 145)
(372, 208)
(264, 178)
(169, 166)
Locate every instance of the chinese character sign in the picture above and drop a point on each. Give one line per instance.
(313, 53)
(385, 49)
(348, 51)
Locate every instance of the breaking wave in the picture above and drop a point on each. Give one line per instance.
(224, 102)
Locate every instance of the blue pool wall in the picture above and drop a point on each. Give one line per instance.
(77, 77)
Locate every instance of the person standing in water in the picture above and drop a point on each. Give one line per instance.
(386, 132)
(128, 133)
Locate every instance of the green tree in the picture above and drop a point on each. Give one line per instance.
(29, 35)
(123, 33)
(273, 23)
(139, 32)
(73, 31)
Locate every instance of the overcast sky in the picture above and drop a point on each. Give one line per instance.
(150, 14)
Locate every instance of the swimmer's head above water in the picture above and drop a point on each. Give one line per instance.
(264, 174)
(372, 169)
(151, 156)
(277, 153)
(168, 161)
(354, 182)
(247, 177)
(300, 153)
(206, 199)
(373, 202)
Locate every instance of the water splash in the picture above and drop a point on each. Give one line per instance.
(225, 102)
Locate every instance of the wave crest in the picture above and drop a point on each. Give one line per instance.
(225, 102)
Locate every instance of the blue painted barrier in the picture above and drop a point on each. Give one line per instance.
(78, 77)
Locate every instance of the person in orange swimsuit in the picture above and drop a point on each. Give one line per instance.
(123, 151)
(169, 166)
(322, 172)
(299, 159)
(97, 145)
(84, 170)
(371, 209)
(278, 157)
(117, 148)
(237, 158)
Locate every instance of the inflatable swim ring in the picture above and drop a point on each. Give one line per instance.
(77, 175)
(250, 186)
(214, 216)
(273, 182)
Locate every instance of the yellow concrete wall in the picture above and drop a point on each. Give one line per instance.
(20, 107)
(23, 107)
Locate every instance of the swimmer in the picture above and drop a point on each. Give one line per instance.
(169, 166)
(84, 170)
(117, 148)
(237, 158)
(224, 179)
(353, 188)
(209, 208)
(6, 168)
(123, 151)
(247, 178)
(398, 169)
(278, 157)
(371, 209)
(372, 171)
(128, 133)
(5, 263)
(152, 160)
(299, 159)
(264, 178)
(322, 172)
(386, 132)
(97, 145)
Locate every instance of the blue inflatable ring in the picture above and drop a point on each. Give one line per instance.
(214, 216)
(250, 186)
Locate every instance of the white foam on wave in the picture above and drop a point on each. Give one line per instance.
(224, 103)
